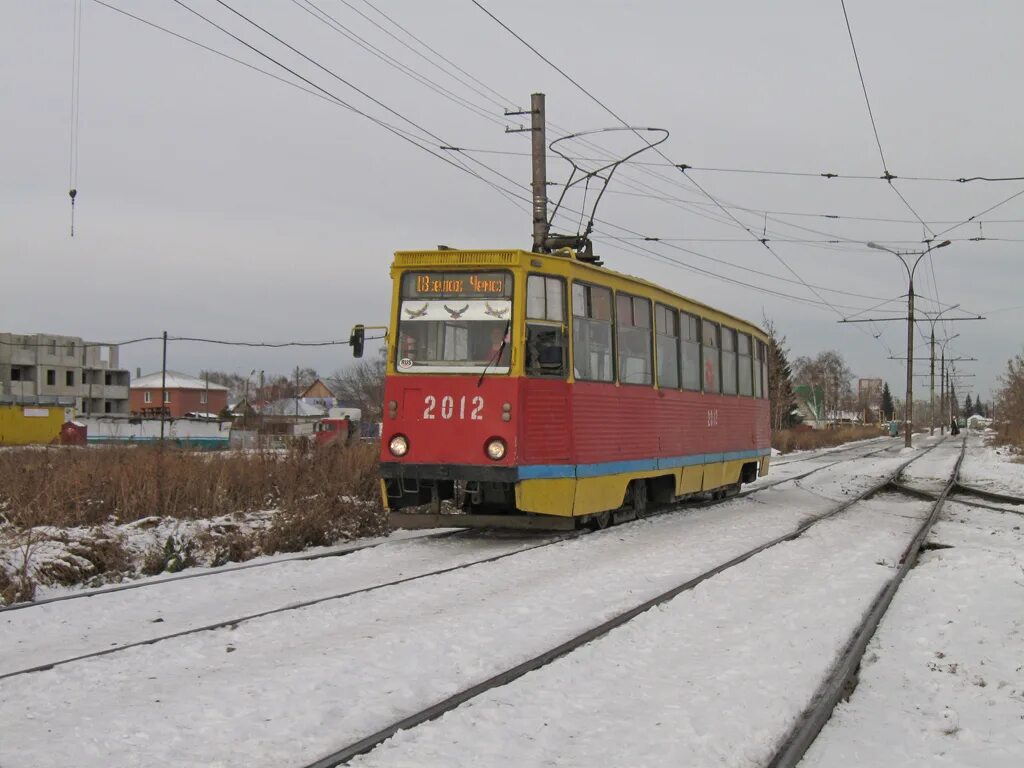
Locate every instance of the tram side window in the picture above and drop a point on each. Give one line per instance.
(666, 323)
(745, 371)
(690, 350)
(758, 356)
(712, 362)
(633, 331)
(764, 368)
(546, 348)
(592, 332)
(728, 361)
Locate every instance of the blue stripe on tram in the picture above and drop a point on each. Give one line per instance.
(551, 471)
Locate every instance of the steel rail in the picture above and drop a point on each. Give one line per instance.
(796, 743)
(439, 708)
(340, 552)
(827, 453)
(346, 550)
(569, 535)
(282, 609)
(981, 493)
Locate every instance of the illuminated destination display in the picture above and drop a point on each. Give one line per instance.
(446, 285)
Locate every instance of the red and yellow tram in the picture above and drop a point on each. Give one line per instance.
(541, 390)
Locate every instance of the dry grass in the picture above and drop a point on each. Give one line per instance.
(320, 496)
(786, 440)
(68, 488)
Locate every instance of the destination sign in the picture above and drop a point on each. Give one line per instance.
(446, 285)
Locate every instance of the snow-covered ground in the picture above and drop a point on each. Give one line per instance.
(993, 469)
(39, 635)
(714, 677)
(942, 683)
(931, 472)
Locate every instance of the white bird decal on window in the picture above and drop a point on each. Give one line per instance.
(414, 313)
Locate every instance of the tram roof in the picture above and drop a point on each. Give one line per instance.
(450, 257)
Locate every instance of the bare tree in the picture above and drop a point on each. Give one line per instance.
(1010, 403)
(828, 372)
(362, 386)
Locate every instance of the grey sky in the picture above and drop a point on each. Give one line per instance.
(216, 202)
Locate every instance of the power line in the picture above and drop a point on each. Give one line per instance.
(310, 7)
(982, 213)
(504, 101)
(272, 345)
(319, 91)
(826, 175)
(864, 88)
(77, 344)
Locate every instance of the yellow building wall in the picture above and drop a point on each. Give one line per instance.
(31, 424)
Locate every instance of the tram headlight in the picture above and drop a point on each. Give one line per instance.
(398, 445)
(496, 449)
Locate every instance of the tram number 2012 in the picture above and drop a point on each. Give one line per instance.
(712, 417)
(464, 408)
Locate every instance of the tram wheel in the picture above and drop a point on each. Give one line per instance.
(638, 498)
(600, 521)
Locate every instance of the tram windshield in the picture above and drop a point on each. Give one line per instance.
(454, 322)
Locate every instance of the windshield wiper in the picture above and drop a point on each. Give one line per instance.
(497, 355)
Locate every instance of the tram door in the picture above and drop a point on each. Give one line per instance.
(545, 393)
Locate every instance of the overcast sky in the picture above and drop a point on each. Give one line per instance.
(215, 201)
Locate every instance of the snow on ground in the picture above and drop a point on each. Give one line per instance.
(788, 458)
(717, 676)
(293, 686)
(44, 592)
(942, 683)
(39, 635)
(931, 472)
(786, 469)
(992, 468)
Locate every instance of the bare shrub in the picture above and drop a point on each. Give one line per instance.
(330, 499)
(90, 487)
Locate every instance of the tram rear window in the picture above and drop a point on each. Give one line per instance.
(456, 285)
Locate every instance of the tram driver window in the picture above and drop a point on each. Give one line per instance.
(546, 347)
(592, 332)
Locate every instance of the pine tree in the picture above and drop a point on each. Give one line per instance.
(888, 408)
(968, 406)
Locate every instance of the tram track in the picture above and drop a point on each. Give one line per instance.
(234, 621)
(351, 549)
(158, 582)
(838, 683)
(824, 454)
(436, 710)
(358, 664)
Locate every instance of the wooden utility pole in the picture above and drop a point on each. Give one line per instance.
(538, 131)
(163, 390)
(540, 172)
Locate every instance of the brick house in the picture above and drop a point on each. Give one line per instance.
(184, 394)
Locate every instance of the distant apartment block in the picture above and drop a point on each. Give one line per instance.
(64, 370)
